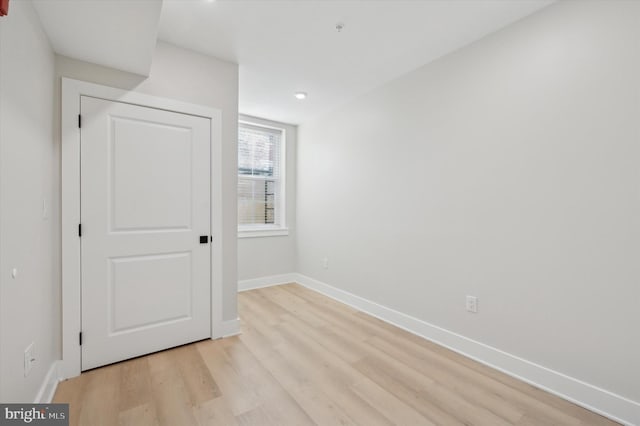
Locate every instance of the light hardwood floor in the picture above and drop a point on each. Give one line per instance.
(305, 359)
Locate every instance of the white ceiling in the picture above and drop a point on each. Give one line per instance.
(282, 46)
(116, 33)
(288, 46)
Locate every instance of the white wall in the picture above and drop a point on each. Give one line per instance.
(30, 173)
(274, 255)
(184, 75)
(509, 170)
(28, 241)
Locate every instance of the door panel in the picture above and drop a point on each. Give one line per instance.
(140, 275)
(145, 201)
(150, 194)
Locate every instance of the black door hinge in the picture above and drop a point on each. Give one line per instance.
(79, 121)
(80, 338)
(79, 230)
(204, 239)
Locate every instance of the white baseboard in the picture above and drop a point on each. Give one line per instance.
(230, 328)
(49, 385)
(269, 281)
(591, 397)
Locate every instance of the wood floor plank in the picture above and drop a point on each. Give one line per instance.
(169, 393)
(256, 417)
(388, 404)
(329, 374)
(444, 376)
(405, 393)
(215, 412)
(504, 400)
(273, 395)
(135, 384)
(305, 359)
(141, 415)
(101, 397)
(455, 403)
(198, 381)
(303, 377)
(72, 392)
(320, 408)
(240, 396)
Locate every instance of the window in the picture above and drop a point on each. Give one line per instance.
(260, 179)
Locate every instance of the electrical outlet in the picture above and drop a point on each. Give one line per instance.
(472, 304)
(325, 263)
(29, 359)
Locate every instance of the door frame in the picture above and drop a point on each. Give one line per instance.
(72, 90)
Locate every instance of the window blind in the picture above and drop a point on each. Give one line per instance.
(259, 185)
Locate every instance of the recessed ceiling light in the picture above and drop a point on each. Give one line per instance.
(301, 95)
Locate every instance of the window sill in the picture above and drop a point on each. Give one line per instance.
(259, 233)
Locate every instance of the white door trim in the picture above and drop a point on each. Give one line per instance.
(70, 365)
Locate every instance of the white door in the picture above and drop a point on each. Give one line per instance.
(145, 203)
